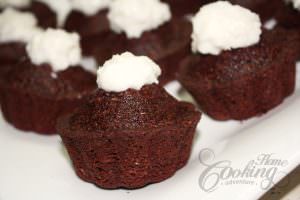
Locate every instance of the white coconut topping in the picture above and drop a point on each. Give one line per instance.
(127, 71)
(137, 16)
(57, 48)
(222, 26)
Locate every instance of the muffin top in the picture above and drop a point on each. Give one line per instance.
(40, 80)
(156, 44)
(149, 108)
(273, 48)
(52, 68)
(129, 100)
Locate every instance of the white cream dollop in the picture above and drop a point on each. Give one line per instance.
(14, 3)
(17, 26)
(62, 8)
(90, 7)
(222, 26)
(296, 3)
(55, 47)
(127, 71)
(137, 16)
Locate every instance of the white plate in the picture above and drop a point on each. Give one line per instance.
(34, 167)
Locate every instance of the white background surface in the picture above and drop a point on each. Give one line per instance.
(34, 167)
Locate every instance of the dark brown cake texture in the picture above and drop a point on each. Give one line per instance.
(45, 16)
(129, 139)
(245, 82)
(264, 8)
(166, 45)
(185, 7)
(13, 51)
(32, 98)
(75, 22)
(87, 25)
(5, 67)
(289, 17)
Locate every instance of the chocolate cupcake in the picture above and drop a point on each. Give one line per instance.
(245, 74)
(47, 85)
(148, 30)
(16, 30)
(130, 132)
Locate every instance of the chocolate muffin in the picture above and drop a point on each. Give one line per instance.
(129, 139)
(33, 97)
(130, 132)
(48, 84)
(246, 82)
(166, 45)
